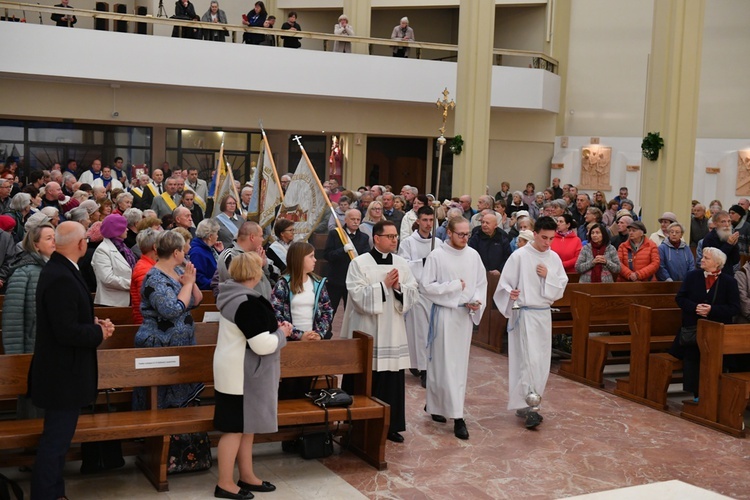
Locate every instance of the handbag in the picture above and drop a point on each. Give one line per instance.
(330, 398)
(189, 453)
(99, 456)
(688, 334)
(318, 444)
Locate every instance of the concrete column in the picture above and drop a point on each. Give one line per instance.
(559, 48)
(472, 120)
(360, 17)
(354, 147)
(672, 108)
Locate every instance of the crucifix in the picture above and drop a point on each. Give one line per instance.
(297, 138)
(445, 104)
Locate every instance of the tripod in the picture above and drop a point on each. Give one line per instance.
(162, 12)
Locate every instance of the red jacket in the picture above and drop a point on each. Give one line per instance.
(645, 261)
(142, 267)
(568, 248)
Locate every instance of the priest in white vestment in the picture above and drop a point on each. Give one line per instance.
(532, 279)
(415, 250)
(381, 289)
(455, 281)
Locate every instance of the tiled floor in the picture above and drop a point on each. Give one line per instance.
(590, 441)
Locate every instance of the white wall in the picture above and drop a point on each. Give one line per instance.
(609, 45)
(28, 51)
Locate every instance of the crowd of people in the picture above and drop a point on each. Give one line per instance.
(257, 17)
(149, 242)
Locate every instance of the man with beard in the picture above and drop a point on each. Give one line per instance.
(721, 237)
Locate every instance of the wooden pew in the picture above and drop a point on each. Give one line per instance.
(723, 397)
(491, 329)
(124, 315)
(661, 369)
(645, 324)
(562, 321)
(603, 313)
(124, 337)
(370, 417)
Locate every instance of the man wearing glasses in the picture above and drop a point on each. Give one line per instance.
(455, 281)
(382, 289)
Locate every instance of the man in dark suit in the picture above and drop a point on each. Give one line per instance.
(336, 253)
(63, 374)
(391, 213)
(62, 19)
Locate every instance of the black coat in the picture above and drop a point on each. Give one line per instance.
(693, 292)
(493, 250)
(63, 373)
(338, 260)
(732, 251)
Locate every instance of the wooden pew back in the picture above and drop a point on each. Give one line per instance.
(124, 315)
(617, 288)
(124, 337)
(714, 341)
(602, 313)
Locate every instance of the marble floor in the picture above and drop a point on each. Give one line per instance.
(590, 442)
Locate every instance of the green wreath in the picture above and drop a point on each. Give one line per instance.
(651, 145)
(457, 145)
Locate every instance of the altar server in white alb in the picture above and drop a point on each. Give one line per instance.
(381, 289)
(455, 281)
(415, 250)
(532, 279)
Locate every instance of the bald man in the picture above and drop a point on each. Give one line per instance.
(63, 374)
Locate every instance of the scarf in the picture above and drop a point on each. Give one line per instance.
(596, 271)
(565, 234)
(125, 251)
(711, 279)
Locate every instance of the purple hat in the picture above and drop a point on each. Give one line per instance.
(113, 226)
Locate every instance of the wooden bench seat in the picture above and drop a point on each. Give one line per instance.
(647, 324)
(721, 394)
(370, 416)
(599, 349)
(601, 313)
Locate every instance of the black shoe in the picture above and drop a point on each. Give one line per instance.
(459, 429)
(436, 418)
(533, 419)
(423, 376)
(395, 437)
(414, 372)
(242, 495)
(264, 487)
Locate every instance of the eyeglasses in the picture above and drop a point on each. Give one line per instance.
(391, 237)
(462, 235)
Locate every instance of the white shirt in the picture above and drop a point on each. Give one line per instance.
(302, 307)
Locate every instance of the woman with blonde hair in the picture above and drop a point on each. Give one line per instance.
(245, 380)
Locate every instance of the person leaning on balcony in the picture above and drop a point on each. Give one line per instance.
(345, 29)
(291, 24)
(404, 33)
(184, 10)
(214, 15)
(62, 20)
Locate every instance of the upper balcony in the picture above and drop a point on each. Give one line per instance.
(38, 52)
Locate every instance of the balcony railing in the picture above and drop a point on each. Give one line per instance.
(536, 59)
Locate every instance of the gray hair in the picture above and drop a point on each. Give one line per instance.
(454, 212)
(167, 242)
(413, 189)
(676, 224)
(149, 213)
(405, 20)
(146, 239)
(50, 212)
(206, 228)
(246, 188)
(68, 176)
(717, 255)
(78, 214)
(90, 205)
(180, 208)
(122, 197)
(20, 202)
(36, 220)
(132, 215)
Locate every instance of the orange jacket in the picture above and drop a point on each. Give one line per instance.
(142, 267)
(645, 261)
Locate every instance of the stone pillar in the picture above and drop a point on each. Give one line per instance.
(476, 30)
(360, 17)
(559, 48)
(354, 147)
(672, 109)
